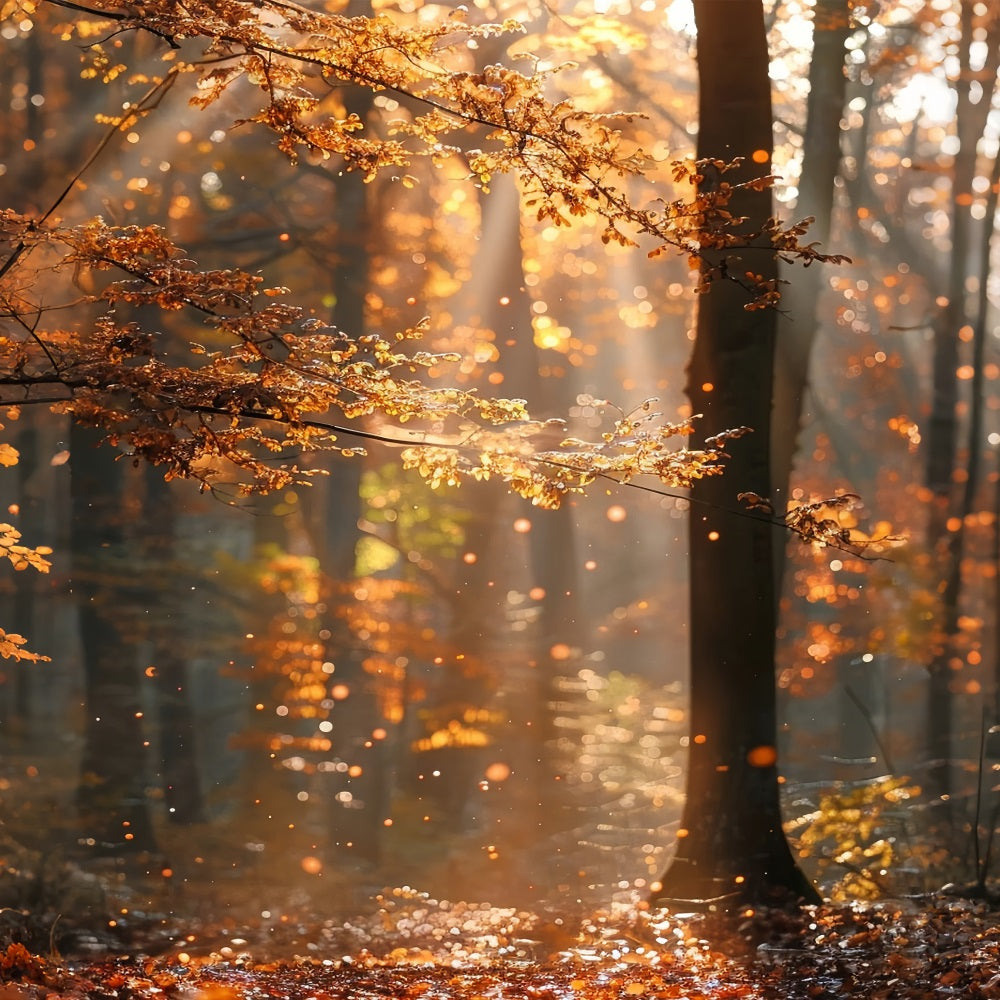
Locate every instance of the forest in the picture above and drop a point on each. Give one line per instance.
(499, 499)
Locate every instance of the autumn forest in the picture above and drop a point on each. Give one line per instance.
(499, 499)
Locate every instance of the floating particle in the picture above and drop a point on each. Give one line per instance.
(762, 756)
(497, 771)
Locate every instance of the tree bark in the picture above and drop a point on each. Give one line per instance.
(732, 848)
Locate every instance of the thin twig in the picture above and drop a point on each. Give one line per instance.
(867, 716)
(979, 867)
(148, 102)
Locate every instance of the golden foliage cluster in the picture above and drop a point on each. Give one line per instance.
(570, 163)
(856, 830)
(21, 557)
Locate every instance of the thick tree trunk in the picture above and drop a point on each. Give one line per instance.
(732, 848)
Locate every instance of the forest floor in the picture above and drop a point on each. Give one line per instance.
(411, 946)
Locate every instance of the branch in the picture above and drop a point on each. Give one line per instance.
(419, 439)
(147, 103)
(583, 149)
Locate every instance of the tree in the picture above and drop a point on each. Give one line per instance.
(113, 807)
(948, 270)
(332, 511)
(732, 846)
(183, 795)
(797, 327)
(952, 502)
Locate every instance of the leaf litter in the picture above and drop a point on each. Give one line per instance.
(413, 946)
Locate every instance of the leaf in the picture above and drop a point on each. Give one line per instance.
(12, 648)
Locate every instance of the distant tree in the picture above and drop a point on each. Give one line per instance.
(940, 276)
(358, 797)
(180, 777)
(111, 797)
(952, 472)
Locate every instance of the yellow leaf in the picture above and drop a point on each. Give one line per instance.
(8, 455)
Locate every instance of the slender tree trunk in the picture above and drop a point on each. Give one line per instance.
(796, 330)
(113, 809)
(996, 595)
(975, 473)
(507, 311)
(29, 516)
(942, 450)
(357, 797)
(357, 800)
(798, 322)
(179, 772)
(29, 522)
(732, 848)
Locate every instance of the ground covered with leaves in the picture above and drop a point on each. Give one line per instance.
(412, 946)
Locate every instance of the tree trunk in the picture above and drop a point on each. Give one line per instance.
(19, 715)
(942, 449)
(179, 772)
(553, 565)
(820, 163)
(357, 801)
(732, 848)
(111, 797)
